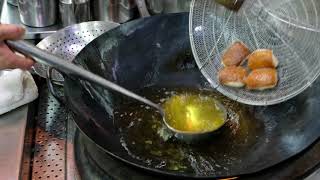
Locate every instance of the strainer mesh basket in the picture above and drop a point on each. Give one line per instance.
(289, 27)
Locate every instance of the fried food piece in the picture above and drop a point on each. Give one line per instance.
(261, 79)
(233, 76)
(235, 54)
(262, 58)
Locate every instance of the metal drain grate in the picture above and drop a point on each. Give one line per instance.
(50, 139)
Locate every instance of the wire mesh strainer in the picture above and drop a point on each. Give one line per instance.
(290, 28)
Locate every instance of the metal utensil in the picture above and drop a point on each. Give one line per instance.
(74, 11)
(113, 10)
(38, 13)
(194, 137)
(290, 28)
(74, 70)
(168, 6)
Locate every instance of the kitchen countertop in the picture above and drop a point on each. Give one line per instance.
(12, 134)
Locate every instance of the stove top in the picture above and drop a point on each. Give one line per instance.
(56, 149)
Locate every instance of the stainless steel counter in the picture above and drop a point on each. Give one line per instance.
(10, 15)
(12, 134)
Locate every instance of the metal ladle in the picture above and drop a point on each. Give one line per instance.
(69, 68)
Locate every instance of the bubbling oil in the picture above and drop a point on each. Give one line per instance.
(193, 113)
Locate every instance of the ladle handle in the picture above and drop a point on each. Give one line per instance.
(69, 68)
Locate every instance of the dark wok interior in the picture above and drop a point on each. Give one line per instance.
(156, 52)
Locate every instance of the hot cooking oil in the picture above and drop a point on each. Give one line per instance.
(193, 112)
(145, 138)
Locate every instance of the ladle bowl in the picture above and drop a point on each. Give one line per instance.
(197, 136)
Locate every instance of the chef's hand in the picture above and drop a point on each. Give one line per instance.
(8, 59)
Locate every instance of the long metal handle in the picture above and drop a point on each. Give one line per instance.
(72, 69)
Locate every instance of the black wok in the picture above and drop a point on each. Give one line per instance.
(156, 52)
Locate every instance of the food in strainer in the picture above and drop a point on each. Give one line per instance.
(261, 79)
(262, 58)
(235, 54)
(233, 76)
(262, 62)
